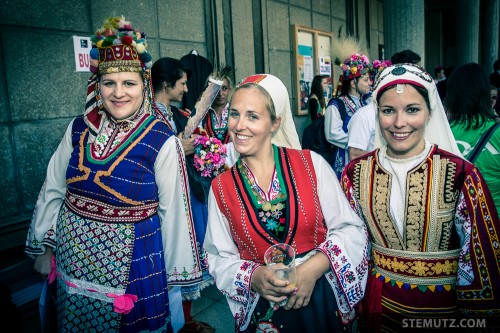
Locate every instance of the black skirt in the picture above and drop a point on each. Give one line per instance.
(320, 315)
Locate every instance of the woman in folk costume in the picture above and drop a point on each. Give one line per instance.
(433, 225)
(282, 195)
(352, 93)
(114, 209)
(169, 78)
(286, 134)
(215, 121)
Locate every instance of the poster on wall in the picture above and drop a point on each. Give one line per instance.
(306, 73)
(312, 56)
(325, 66)
(82, 46)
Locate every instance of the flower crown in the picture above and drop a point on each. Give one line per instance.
(117, 47)
(354, 66)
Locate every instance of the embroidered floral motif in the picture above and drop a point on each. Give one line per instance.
(266, 327)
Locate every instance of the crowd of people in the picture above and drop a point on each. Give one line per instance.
(401, 223)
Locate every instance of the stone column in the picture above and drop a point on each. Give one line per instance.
(490, 27)
(404, 27)
(467, 31)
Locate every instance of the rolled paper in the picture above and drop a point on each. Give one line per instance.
(202, 105)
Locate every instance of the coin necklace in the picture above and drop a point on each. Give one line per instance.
(273, 205)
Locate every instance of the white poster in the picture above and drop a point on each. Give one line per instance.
(82, 46)
(325, 66)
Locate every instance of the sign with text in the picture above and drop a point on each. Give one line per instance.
(82, 46)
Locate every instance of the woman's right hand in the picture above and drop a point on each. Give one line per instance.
(187, 144)
(268, 286)
(43, 261)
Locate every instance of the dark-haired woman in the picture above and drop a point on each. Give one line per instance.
(316, 104)
(434, 228)
(468, 106)
(169, 79)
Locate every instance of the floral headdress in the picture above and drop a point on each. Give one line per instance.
(378, 66)
(117, 47)
(354, 66)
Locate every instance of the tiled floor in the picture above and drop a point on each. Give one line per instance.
(212, 308)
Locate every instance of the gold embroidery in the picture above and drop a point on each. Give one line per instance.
(416, 193)
(442, 202)
(81, 167)
(416, 268)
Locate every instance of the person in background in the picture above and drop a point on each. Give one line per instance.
(112, 223)
(494, 101)
(433, 226)
(439, 74)
(362, 124)
(215, 122)
(468, 106)
(495, 75)
(280, 195)
(354, 93)
(406, 56)
(169, 79)
(316, 103)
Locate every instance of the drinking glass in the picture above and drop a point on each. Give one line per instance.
(280, 259)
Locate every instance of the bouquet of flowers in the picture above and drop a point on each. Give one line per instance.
(209, 156)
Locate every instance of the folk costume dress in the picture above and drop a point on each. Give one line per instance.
(214, 127)
(338, 114)
(433, 226)
(303, 207)
(177, 120)
(434, 232)
(116, 236)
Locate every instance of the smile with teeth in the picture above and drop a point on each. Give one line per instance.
(242, 137)
(401, 135)
(119, 103)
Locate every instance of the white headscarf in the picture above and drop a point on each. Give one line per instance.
(438, 129)
(286, 135)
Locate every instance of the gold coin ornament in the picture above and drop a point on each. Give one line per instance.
(266, 206)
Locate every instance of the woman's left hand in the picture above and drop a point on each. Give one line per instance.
(307, 275)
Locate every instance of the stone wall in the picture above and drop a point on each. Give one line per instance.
(40, 91)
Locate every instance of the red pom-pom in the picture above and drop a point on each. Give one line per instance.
(127, 40)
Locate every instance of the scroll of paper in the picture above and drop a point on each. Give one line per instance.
(202, 106)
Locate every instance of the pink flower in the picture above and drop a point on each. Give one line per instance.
(123, 303)
(53, 271)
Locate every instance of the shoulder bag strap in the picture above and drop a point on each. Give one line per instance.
(481, 143)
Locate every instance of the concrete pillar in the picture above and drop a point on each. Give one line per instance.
(467, 31)
(404, 27)
(490, 27)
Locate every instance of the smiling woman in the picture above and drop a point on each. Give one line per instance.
(112, 225)
(282, 195)
(122, 94)
(432, 221)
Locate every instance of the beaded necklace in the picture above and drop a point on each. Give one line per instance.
(271, 211)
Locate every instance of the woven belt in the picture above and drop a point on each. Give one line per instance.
(100, 211)
(414, 268)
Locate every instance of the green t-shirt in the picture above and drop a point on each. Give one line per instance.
(488, 162)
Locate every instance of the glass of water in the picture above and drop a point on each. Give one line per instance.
(280, 259)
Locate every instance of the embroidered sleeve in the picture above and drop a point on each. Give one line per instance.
(346, 245)
(42, 230)
(232, 275)
(182, 260)
(479, 261)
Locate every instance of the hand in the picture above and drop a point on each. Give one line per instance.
(187, 144)
(268, 286)
(307, 275)
(43, 261)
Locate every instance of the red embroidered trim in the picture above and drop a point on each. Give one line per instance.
(97, 210)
